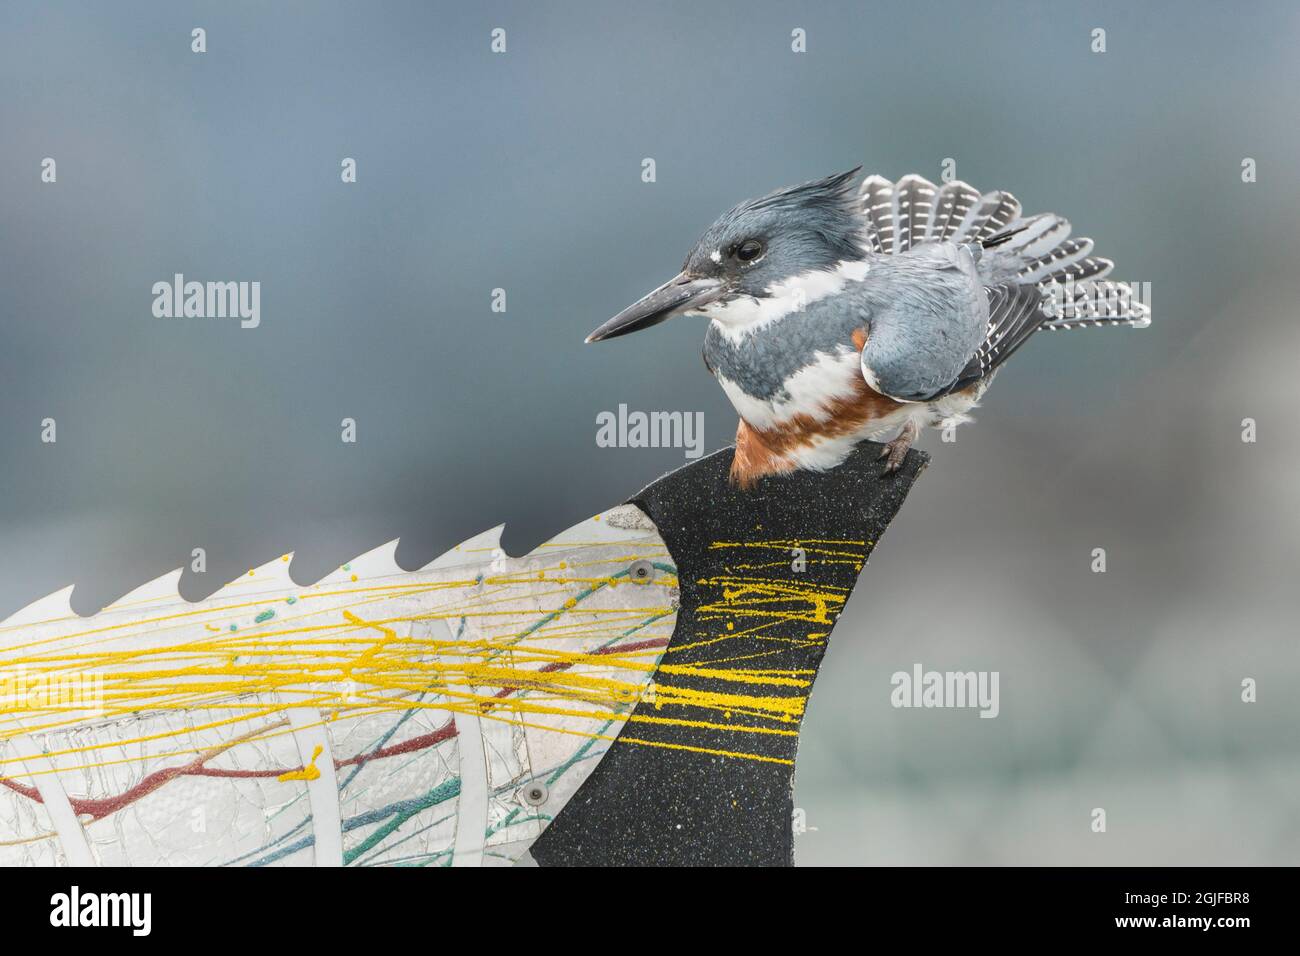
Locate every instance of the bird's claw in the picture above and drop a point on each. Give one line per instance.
(895, 451)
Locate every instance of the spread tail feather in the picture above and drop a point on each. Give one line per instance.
(1025, 249)
(1018, 251)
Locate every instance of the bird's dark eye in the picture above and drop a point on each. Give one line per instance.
(749, 250)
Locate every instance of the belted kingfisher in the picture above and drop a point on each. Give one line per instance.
(840, 314)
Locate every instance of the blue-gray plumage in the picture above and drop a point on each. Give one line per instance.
(841, 313)
(926, 314)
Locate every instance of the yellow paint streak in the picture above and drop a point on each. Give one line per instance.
(762, 758)
(309, 772)
(336, 650)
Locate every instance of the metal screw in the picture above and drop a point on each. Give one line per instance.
(641, 572)
(534, 794)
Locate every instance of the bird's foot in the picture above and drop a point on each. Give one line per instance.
(895, 451)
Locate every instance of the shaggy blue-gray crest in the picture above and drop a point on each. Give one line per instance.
(839, 314)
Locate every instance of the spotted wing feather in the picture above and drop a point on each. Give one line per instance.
(877, 194)
(913, 204)
(1015, 314)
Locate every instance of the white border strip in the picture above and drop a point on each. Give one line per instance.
(72, 836)
(323, 792)
(472, 806)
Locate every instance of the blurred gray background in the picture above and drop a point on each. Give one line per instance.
(522, 171)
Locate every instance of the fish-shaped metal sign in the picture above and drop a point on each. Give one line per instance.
(629, 692)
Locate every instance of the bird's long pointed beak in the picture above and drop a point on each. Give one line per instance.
(682, 293)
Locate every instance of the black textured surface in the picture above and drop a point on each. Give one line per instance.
(714, 785)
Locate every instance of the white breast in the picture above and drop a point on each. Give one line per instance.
(809, 391)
